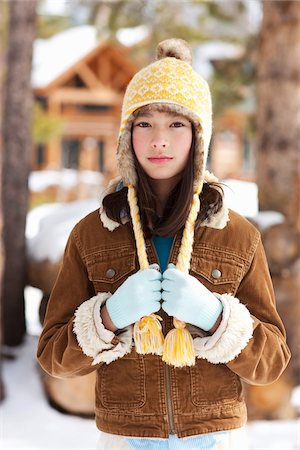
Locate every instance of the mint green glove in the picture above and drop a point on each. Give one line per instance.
(189, 300)
(138, 296)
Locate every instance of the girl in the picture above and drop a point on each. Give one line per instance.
(165, 212)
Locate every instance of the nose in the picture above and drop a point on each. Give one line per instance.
(159, 143)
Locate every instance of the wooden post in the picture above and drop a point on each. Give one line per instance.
(53, 157)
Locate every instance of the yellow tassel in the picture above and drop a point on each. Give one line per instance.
(147, 332)
(178, 347)
(148, 336)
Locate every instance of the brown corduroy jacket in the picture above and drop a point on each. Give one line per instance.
(140, 395)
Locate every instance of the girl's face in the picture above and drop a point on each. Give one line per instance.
(162, 142)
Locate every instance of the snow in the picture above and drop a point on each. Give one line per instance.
(265, 219)
(53, 7)
(33, 297)
(204, 54)
(53, 56)
(48, 227)
(65, 178)
(133, 35)
(28, 422)
(36, 215)
(241, 196)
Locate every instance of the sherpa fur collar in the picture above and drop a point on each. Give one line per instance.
(218, 221)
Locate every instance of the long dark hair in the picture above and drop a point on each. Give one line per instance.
(177, 207)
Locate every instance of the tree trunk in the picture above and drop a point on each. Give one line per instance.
(278, 145)
(278, 112)
(2, 52)
(16, 165)
(282, 245)
(278, 179)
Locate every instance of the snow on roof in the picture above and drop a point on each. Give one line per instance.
(214, 50)
(132, 36)
(53, 56)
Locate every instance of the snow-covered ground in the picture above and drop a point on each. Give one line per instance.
(29, 423)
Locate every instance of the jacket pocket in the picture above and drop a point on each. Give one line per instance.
(108, 268)
(213, 384)
(219, 271)
(121, 384)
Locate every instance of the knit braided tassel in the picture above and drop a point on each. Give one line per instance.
(147, 332)
(178, 347)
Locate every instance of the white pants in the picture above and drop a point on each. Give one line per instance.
(234, 440)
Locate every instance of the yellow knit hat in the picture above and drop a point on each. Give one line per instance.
(169, 84)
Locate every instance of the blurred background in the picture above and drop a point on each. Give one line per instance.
(64, 68)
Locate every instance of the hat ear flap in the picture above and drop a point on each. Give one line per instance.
(199, 159)
(125, 158)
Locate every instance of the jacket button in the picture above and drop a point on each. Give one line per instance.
(216, 273)
(110, 273)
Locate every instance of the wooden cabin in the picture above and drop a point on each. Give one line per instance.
(86, 99)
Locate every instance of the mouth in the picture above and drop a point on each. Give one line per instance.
(160, 159)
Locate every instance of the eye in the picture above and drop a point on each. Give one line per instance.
(177, 125)
(142, 124)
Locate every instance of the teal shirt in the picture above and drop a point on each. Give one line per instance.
(163, 247)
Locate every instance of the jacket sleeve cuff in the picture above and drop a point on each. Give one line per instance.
(93, 338)
(232, 335)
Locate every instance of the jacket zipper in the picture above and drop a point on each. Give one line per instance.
(169, 399)
(170, 411)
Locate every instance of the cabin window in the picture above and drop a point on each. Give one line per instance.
(101, 156)
(93, 107)
(70, 153)
(40, 155)
(78, 82)
(248, 155)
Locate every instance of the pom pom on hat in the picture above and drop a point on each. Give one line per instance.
(176, 48)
